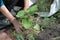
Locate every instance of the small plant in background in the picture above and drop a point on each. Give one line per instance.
(44, 5)
(27, 16)
(49, 22)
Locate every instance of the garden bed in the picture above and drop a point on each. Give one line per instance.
(36, 27)
(51, 32)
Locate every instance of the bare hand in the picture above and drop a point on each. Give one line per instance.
(17, 26)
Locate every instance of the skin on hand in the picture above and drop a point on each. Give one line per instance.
(13, 20)
(18, 26)
(26, 4)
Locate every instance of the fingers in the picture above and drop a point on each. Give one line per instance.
(21, 28)
(18, 30)
(17, 26)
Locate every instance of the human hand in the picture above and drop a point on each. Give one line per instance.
(18, 27)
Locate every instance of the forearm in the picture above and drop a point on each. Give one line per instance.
(26, 4)
(12, 19)
(6, 13)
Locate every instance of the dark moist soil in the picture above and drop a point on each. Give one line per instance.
(50, 33)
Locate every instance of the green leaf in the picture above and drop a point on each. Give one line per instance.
(30, 20)
(26, 16)
(31, 36)
(26, 24)
(37, 27)
(19, 37)
(20, 14)
(52, 19)
(45, 21)
(32, 9)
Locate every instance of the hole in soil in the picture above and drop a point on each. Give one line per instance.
(54, 36)
(35, 15)
(50, 34)
(44, 27)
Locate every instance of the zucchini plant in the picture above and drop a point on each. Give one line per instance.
(27, 20)
(27, 16)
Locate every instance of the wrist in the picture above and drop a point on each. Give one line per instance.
(12, 20)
